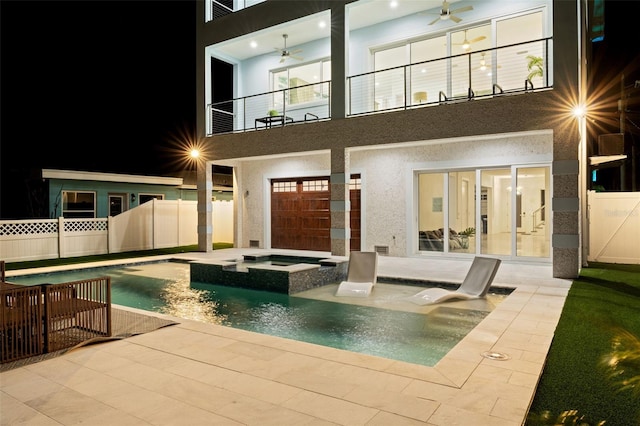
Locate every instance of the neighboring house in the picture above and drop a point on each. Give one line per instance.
(414, 130)
(81, 194)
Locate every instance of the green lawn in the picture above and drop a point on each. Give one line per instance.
(593, 366)
(83, 259)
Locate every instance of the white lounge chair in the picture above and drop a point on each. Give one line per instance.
(475, 285)
(362, 274)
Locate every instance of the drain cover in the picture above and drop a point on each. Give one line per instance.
(496, 356)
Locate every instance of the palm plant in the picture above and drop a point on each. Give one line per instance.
(535, 65)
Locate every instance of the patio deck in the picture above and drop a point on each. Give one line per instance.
(195, 373)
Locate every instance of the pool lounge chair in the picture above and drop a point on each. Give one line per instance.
(361, 275)
(475, 285)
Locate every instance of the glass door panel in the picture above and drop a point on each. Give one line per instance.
(389, 85)
(532, 191)
(431, 211)
(495, 211)
(428, 78)
(462, 212)
(515, 59)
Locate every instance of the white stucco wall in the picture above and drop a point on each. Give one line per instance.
(388, 200)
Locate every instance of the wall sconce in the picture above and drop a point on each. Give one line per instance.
(133, 198)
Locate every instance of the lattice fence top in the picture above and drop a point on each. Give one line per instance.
(84, 225)
(29, 228)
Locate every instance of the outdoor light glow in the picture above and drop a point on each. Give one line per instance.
(579, 111)
(186, 150)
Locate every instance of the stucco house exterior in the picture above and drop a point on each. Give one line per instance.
(414, 129)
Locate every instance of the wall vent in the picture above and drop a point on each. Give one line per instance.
(254, 244)
(382, 250)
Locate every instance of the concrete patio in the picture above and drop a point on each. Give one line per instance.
(194, 373)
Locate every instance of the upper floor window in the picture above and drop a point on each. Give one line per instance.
(303, 82)
(78, 204)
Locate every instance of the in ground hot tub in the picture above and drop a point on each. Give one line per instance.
(272, 272)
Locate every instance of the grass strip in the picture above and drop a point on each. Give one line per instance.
(12, 266)
(600, 321)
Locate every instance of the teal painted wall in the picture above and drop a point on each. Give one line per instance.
(103, 189)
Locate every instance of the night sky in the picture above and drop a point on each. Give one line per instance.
(94, 85)
(107, 86)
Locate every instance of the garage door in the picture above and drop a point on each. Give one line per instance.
(301, 216)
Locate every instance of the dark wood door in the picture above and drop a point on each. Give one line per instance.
(301, 216)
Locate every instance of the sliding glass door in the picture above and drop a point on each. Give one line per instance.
(499, 211)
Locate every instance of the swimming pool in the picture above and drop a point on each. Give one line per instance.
(165, 287)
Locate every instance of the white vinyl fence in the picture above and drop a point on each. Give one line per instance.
(152, 225)
(614, 227)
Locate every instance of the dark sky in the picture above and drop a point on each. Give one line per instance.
(95, 85)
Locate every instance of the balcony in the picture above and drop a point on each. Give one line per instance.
(507, 70)
(300, 104)
(219, 8)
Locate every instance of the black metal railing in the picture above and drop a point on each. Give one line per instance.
(520, 67)
(517, 67)
(310, 102)
(218, 8)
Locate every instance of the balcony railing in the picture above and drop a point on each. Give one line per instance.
(218, 8)
(521, 67)
(299, 104)
(514, 68)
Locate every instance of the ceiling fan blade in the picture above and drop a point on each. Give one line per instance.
(296, 57)
(434, 21)
(283, 59)
(293, 52)
(455, 18)
(477, 39)
(462, 9)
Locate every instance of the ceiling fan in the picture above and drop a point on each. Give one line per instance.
(446, 13)
(284, 53)
(466, 44)
(483, 65)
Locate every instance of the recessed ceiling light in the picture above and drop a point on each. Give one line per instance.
(254, 44)
(322, 24)
(393, 4)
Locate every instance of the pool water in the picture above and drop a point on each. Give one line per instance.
(166, 288)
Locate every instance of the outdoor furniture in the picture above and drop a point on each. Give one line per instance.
(268, 121)
(362, 274)
(475, 285)
(49, 317)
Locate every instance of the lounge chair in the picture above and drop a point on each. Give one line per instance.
(475, 285)
(361, 275)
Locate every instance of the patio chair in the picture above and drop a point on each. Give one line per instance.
(362, 274)
(475, 285)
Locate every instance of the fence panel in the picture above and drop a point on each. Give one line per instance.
(152, 225)
(24, 240)
(166, 223)
(614, 227)
(83, 237)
